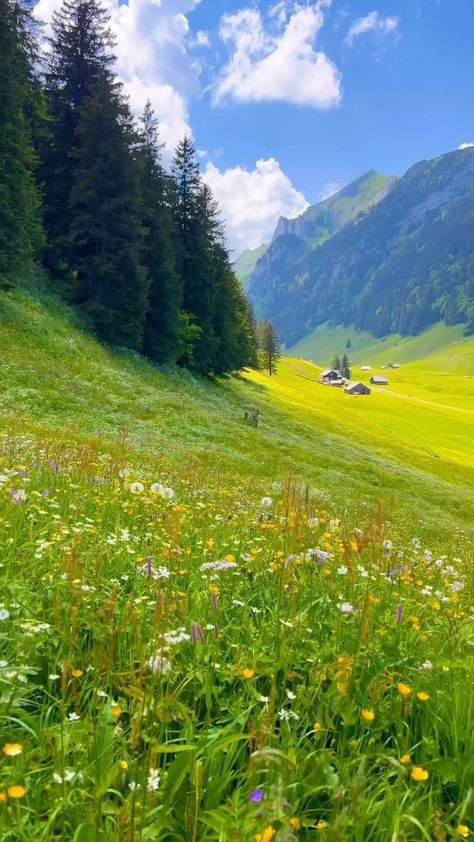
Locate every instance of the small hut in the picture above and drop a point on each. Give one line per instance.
(357, 388)
(379, 380)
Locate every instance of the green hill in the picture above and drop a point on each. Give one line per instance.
(400, 267)
(245, 264)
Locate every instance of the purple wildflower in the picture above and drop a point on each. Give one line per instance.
(197, 634)
(399, 613)
(257, 795)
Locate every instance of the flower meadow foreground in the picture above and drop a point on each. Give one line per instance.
(185, 657)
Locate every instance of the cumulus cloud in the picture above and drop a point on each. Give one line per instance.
(153, 60)
(373, 22)
(277, 60)
(466, 145)
(252, 201)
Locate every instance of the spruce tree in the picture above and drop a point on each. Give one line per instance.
(345, 367)
(269, 347)
(163, 323)
(105, 211)
(336, 363)
(197, 230)
(80, 56)
(20, 205)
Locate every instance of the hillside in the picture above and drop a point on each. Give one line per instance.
(245, 264)
(324, 219)
(400, 267)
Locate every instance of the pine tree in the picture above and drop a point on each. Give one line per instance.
(197, 229)
(106, 220)
(20, 217)
(232, 325)
(345, 367)
(163, 322)
(80, 57)
(348, 344)
(336, 363)
(269, 347)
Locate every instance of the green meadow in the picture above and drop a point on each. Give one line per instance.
(210, 631)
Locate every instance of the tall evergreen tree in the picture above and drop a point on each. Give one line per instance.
(336, 363)
(197, 230)
(270, 351)
(345, 367)
(163, 323)
(106, 219)
(80, 56)
(20, 217)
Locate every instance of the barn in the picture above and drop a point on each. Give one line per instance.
(357, 388)
(330, 374)
(379, 380)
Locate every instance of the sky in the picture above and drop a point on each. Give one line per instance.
(289, 100)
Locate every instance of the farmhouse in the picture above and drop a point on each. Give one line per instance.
(357, 388)
(379, 380)
(366, 368)
(330, 375)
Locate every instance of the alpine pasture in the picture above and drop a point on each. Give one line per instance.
(215, 632)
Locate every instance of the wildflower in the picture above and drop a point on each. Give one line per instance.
(12, 749)
(68, 776)
(137, 487)
(77, 673)
(399, 613)
(462, 830)
(248, 673)
(345, 607)
(404, 689)
(342, 570)
(219, 566)
(419, 774)
(153, 780)
(426, 665)
(116, 710)
(321, 824)
(73, 717)
(123, 764)
(257, 795)
(317, 726)
(405, 758)
(16, 791)
(173, 638)
(368, 715)
(295, 822)
(197, 634)
(159, 664)
(267, 834)
(290, 695)
(266, 501)
(4, 614)
(422, 696)
(3, 797)
(264, 699)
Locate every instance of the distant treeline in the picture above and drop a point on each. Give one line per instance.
(139, 251)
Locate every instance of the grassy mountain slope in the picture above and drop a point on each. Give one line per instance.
(324, 219)
(401, 267)
(58, 379)
(245, 264)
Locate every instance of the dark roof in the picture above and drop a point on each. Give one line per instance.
(354, 387)
(330, 371)
(379, 378)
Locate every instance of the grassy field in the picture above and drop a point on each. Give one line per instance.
(215, 632)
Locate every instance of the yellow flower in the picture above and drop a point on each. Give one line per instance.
(320, 824)
(295, 822)
(230, 557)
(463, 830)
(12, 749)
(248, 673)
(123, 764)
(16, 791)
(116, 710)
(422, 696)
(317, 726)
(266, 835)
(404, 689)
(419, 774)
(405, 758)
(368, 715)
(77, 673)
(3, 797)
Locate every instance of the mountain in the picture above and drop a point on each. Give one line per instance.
(245, 264)
(320, 222)
(404, 264)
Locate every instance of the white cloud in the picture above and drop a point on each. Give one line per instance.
(466, 145)
(152, 57)
(252, 201)
(329, 190)
(373, 22)
(278, 62)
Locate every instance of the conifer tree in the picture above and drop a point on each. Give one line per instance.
(80, 56)
(106, 220)
(163, 323)
(345, 367)
(336, 363)
(20, 217)
(197, 229)
(270, 351)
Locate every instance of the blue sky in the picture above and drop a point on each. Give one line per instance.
(288, 99)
